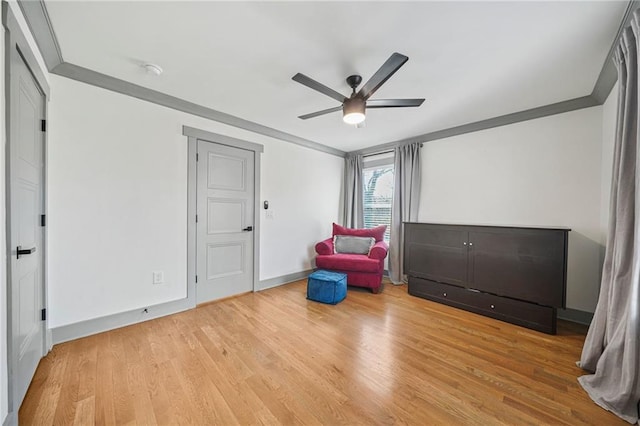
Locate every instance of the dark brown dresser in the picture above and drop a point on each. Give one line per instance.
(514, 274)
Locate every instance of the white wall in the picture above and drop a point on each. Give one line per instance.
(118, 201)
(303, 189)
(539, 172)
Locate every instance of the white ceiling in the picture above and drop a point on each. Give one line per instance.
(470, 60)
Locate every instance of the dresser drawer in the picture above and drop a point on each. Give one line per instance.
(530, 315)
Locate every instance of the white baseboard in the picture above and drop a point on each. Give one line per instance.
(283, 279)
(11, 419)
(123, 319)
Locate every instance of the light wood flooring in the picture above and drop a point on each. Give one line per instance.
(275, 358)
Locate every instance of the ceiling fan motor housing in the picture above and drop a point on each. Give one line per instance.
(354, 81)
(353, 110)
(354, 106)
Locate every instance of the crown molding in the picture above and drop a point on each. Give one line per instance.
(39, 23)
(503, 120)
(608, 74)
(104, 81)
(35, 13)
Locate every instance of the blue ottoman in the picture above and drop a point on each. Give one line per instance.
(327, 287)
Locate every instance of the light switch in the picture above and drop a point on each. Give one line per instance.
(158, 277)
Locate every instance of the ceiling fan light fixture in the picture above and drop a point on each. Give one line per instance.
(353, 107)
(353, 111)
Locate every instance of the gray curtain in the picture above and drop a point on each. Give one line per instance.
(612, 350)
(353, 204)
(406, 199)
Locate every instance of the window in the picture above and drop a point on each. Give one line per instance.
(378, 192)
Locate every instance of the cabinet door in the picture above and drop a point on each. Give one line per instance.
(518, 263)
(436, 252)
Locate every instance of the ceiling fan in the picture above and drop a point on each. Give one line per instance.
(354, 107)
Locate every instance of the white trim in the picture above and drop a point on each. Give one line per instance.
(221, 139)
(257, 160)
(378, 162)
(126, 88)
(503, 120)
(17, 45)
(193, 136)
(122, 319)
(192, 169)
(37, 19)
(15, 36)
(11, 419)
(39, 23)
(608, 74)
(86, 328)
(284, 279)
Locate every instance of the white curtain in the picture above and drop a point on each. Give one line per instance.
(611, 352)
(406, 199)
(353, 189)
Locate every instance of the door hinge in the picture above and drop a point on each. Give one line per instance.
(196, 218)
(43, 314)
(196, 279)
(197, 157)
(43, 125)
(43, 220)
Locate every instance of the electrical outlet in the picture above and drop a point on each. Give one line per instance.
(158, 277)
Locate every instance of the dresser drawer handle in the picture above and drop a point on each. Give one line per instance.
(444, 294)
(493, 306)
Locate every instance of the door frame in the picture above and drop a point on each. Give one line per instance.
(194, 135)
(18, 49)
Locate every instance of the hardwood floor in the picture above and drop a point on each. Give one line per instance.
(275, 358)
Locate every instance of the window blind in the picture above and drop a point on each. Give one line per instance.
(378, 196)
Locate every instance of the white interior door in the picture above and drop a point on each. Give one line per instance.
(225, 209)
(26, 198)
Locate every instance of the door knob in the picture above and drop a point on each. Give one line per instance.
(248, 228)
(24, 252)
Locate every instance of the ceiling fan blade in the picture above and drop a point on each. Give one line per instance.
(394, 103)
(387, 69)
(312, 84)
(318, 113)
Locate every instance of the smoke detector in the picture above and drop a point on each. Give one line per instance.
(153, 69)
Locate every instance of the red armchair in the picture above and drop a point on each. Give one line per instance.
(362, 270)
